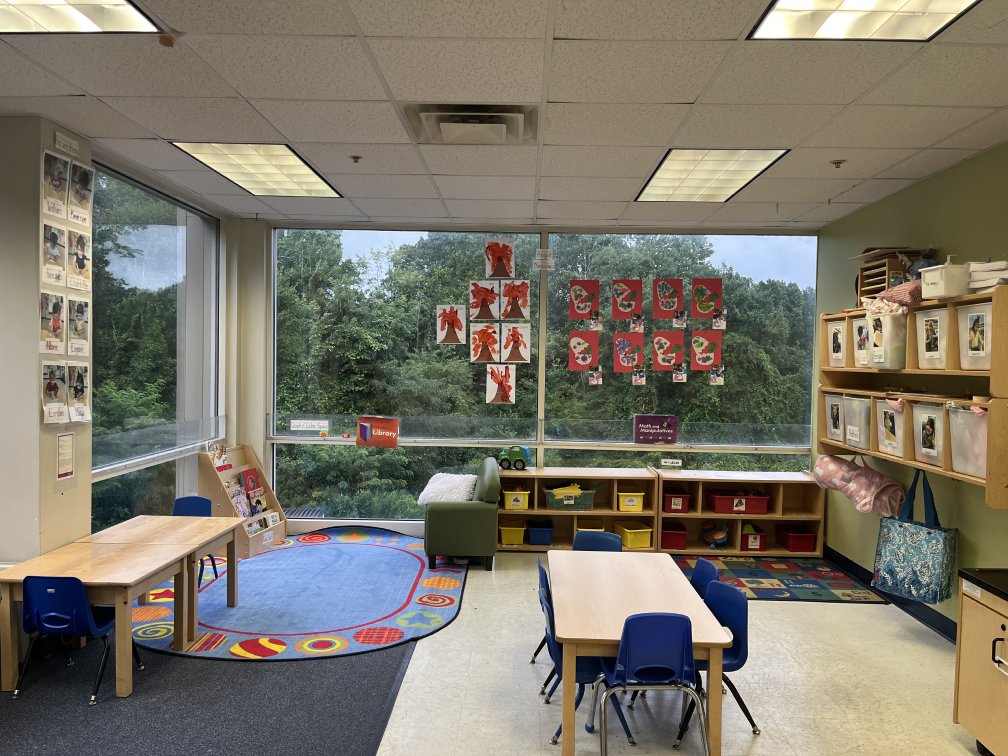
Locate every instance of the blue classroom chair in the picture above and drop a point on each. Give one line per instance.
(196, 506)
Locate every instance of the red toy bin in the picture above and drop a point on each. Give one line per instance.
(673, 536)
(740, 503)
(794, 538)
(756, 541)
(675, 502)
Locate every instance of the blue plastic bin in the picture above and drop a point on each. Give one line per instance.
(540, 532)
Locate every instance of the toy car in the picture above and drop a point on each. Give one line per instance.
(518, 457)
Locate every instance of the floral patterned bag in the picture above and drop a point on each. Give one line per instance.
(912, 559)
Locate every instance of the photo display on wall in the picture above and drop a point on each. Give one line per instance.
(81, 184)
(53, 253)
(78, 327)
(54, 393)
(55, 184)
(52, 332)
(79, 392)
(78, 260)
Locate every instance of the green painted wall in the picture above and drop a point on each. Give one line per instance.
(962, 211)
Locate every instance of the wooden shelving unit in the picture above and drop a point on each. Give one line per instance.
(212, 483)
(916, 384)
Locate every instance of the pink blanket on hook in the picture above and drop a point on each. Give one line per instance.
(867, 488)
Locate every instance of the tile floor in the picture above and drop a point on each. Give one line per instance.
(822, 680)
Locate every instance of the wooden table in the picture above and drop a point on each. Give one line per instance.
(204, 535)
(594, 592)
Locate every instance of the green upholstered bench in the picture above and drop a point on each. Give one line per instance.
(466, 528)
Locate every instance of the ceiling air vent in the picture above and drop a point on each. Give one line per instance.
(472, 124)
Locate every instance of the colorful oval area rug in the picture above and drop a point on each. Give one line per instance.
(338, 591)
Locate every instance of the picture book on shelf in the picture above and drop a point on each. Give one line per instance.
(255, 501)
(272, 518)
(238, 499)
(250, 479)
(255, 526)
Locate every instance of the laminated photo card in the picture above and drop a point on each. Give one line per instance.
(81, 185)
(78, 260)
(517, 339)
(500, 384)
(639, 377)
(484, 300)
(717, 375)
(52, 330)
(515, 300)
(54, 393)
(78, 392)
(78, 327)
(53, 254)
(500, 258)
(55, 184)
(450, 324)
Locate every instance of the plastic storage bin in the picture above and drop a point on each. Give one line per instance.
(540, 532)
(889, 428)
(673, 536)
(976, 327)
(635, 535)
(516, 499)
(566, 497)
(835, 342)
(512, 535)
(675, 501)
(795, 538)
(861, 339)
(887, 345)
(583, 523)
(946, 280)
(857, 421)
(932, 339)
(753, 539)
(630, 501)
(834, 417)
(740, 503)
(969, 441)
(929, 432)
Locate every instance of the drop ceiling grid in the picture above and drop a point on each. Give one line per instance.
(303, 17)
(88, 115)
(465, 19)
(646, 20)
(198, 119)
(26, 78)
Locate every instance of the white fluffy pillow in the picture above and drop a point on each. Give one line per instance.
(448, 487)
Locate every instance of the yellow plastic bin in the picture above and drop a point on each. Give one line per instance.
(635, 535)
(512, 535)
(587, 524)
(631, 501)
(516, 499)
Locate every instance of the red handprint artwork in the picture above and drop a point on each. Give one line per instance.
(450, 328)
(499, 259)
(500, 389)
(484, 299)
(516, 343)
(484, 343)
(516, 297)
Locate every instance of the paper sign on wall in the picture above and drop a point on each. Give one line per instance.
(382, 432)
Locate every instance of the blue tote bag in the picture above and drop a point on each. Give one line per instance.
(915, 560)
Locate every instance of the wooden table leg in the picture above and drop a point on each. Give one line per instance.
(192, 596)
(714, 701)
(567, 693)
(9, 652)
(123, 643)
(179, 607)
(232, 571)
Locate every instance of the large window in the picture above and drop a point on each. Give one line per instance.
(154, 337)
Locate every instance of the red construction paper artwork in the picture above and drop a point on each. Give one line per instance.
(450, 324)
(584, 299)
(628, 351)
(667, 299)
(517, 340)
(500, 258)
(484, 342)
(484, 300)
(705, 349)
(516, 300)
(627, 298)
(582, 350)
(668, 349)
(706, 297)
(500, 388)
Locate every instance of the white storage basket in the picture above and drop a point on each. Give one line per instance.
(888, 341)
(834, 417)
(929, 433)
(976, 327)
(857, 421)
(835, 338)
(861, 339)
(932, 339)
(889, 426)
(969, 441)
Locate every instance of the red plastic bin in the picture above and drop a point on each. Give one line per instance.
(674, 536)
(675, 501)
(793, 538)
(754, 541)
(740, 503)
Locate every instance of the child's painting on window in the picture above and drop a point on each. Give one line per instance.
(450, 324)
(500, 384)
(517, 342)
(484, 300)
(515, 300)
(52, 329)
(484, 342)
(500, 262)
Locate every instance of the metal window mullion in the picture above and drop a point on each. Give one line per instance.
(540, 429)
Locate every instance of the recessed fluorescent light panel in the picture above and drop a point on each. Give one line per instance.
(859, 19)
(55, 16)
(266, 170)
(705, 175)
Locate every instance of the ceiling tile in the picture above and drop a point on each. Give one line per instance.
(987, 132)
(197, 119)
(204, 182)
(388, 186)
(970, 75)
(793, 190)
(898, 126)
(22, 77)
(646, 72)
(483, 188)
(619, 124)
(684, 212)
(657, 19)
(751, 126)
(926, 162)
(404, 223)
(814, 162)
(404, 208)
(803, 72)
(592, 189)
(759, 212)
(245, 206)
(292, 68)
(375, 158)
(123, 64)
(243, 17)
(872, 190)
(582, 210)
(985, 23)
(88, 116)
(476, 71)
(154, 154)
(307, 121)
(473, 160)
(476, 208)
(491, 19)
(312, 205)
(625, 162)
